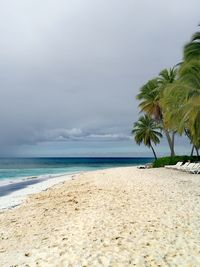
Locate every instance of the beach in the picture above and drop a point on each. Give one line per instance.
(115, 217)
(14, 192)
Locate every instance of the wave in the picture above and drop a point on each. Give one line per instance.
(20, 179)
(12, 195)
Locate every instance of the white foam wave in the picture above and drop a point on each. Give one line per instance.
(16, 197)
(7, 181)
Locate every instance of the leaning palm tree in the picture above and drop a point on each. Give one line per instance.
(150, 97)
(191, 114)
(192, 49)
(190, 75)
(181, 101)
(149, 100)
(147, 131)
(166, 78)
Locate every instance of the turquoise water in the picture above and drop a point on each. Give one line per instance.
(17, 168)
(20, 173)
(36, 172)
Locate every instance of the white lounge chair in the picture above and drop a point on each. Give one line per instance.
(178, 164)
(195, 169)
(182, 167)
(189, 167)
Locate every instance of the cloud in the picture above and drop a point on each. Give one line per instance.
(75, 134)
(63, 134)
(70, 70)
(109, 137)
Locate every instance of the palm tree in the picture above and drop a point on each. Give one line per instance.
(151, 95)
(166, 78)
(149, 99)
(173, 100)
(192, 49)
(181, 101)
(191, 114)
(190, 75)
(146, 131)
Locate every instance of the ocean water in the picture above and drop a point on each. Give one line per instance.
(20, 173)
(15, 168)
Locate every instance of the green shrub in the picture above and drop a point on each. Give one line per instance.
(161, 162)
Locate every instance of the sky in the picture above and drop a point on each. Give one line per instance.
(70, 71)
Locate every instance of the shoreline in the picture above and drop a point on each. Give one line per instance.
(43, 183)
(17, 197)
(112, 217)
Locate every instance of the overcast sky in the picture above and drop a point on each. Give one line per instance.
(70, 70)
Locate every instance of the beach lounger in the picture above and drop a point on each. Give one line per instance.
(141, 167)
(195, 169)
(182, 167)
(178, 164)
(189, 167)
(146, 166)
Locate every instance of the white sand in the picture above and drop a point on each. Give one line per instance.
(117, 217)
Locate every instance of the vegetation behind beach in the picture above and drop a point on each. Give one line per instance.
(170, 103)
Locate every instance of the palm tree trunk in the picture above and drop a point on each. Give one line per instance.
(192, 151)
(170, 141)
(154, 153)
(173, 138)
(197, 151)
(187, 133)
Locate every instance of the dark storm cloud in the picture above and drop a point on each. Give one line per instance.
(78, 135)
(70, 70)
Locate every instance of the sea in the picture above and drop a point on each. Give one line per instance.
(20, 176)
